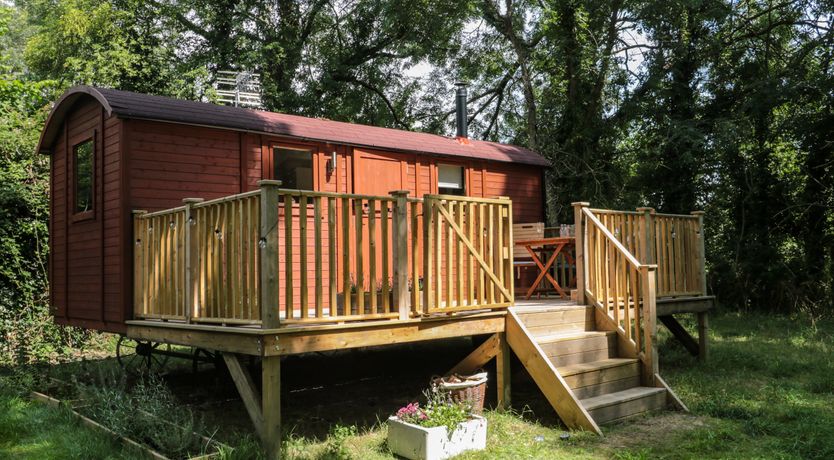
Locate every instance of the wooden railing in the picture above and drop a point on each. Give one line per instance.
(224, 259)
(674, 242)
(336, 256)
(275, 256)
(199, 261)
(623, 290)
(467, 260)
(159, 264)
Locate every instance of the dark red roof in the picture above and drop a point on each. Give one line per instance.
(135, 105)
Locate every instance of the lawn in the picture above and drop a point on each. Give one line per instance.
(766, 392)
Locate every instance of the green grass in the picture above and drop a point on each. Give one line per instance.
(29, 430)
(766, 392)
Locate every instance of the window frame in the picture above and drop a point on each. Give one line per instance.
(90, 213)
(464, 176)
(314, 154)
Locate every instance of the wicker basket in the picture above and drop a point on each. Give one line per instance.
(464, 388)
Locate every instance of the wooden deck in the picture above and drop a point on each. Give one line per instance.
(285, 272)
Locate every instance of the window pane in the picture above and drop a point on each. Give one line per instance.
(84, 176)
(294, 168)
(450, 180)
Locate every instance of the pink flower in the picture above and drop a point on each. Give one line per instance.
(411, 413)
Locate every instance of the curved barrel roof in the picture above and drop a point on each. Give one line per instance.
(127, 104)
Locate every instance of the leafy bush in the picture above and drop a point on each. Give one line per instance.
(335, 448)
(27, 332)
(147, 412)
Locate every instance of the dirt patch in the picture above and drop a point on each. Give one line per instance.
(652, 430)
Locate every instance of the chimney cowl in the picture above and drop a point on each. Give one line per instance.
(461, 118)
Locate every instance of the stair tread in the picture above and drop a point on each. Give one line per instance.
(524, 310)
(579, 368)
(570, 335)
(619, 397)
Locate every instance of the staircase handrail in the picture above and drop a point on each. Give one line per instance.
(621, 288)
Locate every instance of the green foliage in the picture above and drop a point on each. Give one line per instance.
(442, 411)
(146, 412)
(27, 332)
(335, 448)
(685, 104)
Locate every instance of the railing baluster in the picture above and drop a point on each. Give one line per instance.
(483, 253)
(470, 260)
(331, 255)
(491, 245)
(415, 259)
(317, 237)
(289, 270)
(360, 268)
(302, 256)
(346, 279)
(386, 275)
(372, 287)
(448, 263)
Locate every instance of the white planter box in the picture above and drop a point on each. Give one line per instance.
(419, 443)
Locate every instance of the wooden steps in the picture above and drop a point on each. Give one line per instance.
(600, 377)
(567, 355)
(622, 404)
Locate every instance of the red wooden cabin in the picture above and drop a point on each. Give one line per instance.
(114, 152)
(257, 269)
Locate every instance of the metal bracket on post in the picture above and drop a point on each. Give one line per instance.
(190, 309)
(400, 250)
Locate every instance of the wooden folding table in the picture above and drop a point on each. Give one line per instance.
(557, 245)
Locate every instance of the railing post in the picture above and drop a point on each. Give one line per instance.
(428, 251)
(268, 244)
(506, 248)
(702, 256)
(579, 236)
(647, 248)
(190, 309)
(400, 253)
(138, 264)
(648, 273)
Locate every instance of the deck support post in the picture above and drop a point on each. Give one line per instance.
(190, 309)
(502, 372)
(268, 244)
(579, 235)
(703, 335)
(400, 250)
(271, 405)
(703, 319)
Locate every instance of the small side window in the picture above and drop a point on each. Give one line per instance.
(294, 168)
(83, 161)
(450, 180)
